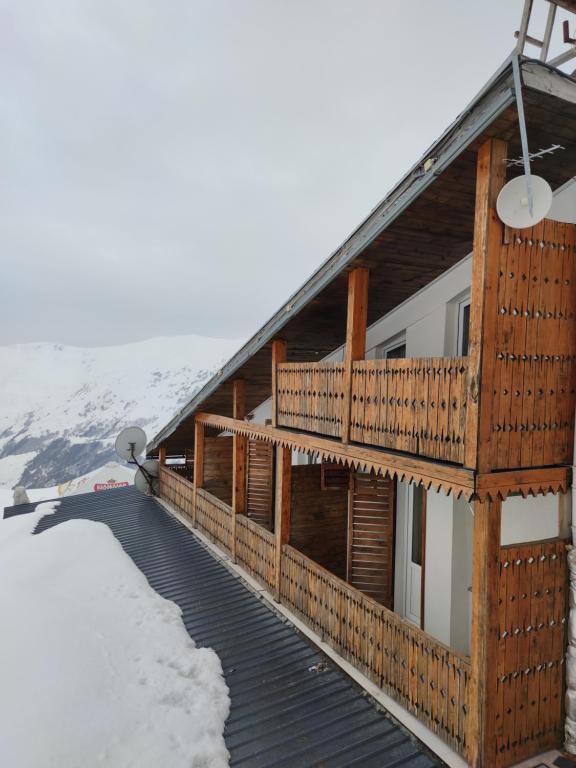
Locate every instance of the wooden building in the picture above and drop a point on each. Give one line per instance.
(405, 492)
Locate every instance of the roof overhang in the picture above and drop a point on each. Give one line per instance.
(421, 228)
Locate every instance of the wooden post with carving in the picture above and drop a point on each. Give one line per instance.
(488, 234)
(239, 455)
(481, 737)
(198, 463)
(283, 503)
(356, 321)
(279, 353)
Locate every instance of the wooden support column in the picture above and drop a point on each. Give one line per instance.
(198, 463)
(488, 237)
(239, 455)
(356, 321)
(162, 462)
(279, 353)
(283, 504)
(485, 633)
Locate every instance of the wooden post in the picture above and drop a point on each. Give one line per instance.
(356, 321)
(283, 503)
(239, 454)
(279, 354)
(485, 634)
(198, 463)
(162, 463)
(488, 236)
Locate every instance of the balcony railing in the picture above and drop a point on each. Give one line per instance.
(416, 405)
(428, 678)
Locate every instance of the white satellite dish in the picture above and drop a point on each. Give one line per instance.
(130, 443)
(513, 206)
(145, 483)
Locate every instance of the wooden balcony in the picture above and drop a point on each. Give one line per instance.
(415, 405)
(429, 679)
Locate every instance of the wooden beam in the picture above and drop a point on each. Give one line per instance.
(438, 476)
(239, 459)
(279, 355)
(198, 463)
(282, 507)
(488, 235)
(485, 633)
(162, 454)
(356, 321)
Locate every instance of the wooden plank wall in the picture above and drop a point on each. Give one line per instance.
(370, 562)
(260, 483)
(319, 519)
(531, 415)
(417, 405)
(218, 467)
(532, 631)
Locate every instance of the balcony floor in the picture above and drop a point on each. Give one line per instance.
(291, 705)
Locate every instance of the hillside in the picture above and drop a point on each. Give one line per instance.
(61, 407)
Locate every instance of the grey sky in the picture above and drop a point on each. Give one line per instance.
(181, 167)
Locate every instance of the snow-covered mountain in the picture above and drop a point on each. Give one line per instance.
(61, 407)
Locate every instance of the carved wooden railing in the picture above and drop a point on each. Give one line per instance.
(214, 518)
(256, 550)
(310, 396)
(177, 490)
(416, 405)
(425, 676)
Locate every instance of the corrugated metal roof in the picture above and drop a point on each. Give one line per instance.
(291, 705)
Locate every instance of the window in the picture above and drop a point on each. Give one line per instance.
(392, 349)
(417, 525)
(396, 352)
(463, 327)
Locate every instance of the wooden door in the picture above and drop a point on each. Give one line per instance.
(260, 483)
(371, 509)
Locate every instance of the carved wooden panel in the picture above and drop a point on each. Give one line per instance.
(417, 405)
(310, 396)
(370, 565)
(534, 349)
(260, 483)
(532, 632)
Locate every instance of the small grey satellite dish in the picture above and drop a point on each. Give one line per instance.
(513, 205)
(130, 443)
(145, 483)
(152, 467)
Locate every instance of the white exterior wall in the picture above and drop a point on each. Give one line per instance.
(530, 519)
(438, 566)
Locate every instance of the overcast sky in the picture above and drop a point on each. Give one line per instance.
(181, 166)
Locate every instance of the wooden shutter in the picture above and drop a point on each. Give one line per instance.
(259, 493)
(334, 477)
(370, 566)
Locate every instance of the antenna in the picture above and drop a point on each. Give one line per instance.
(544, 43)
(130, 444)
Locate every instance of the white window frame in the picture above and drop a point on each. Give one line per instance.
(396, 341)
(465, 302)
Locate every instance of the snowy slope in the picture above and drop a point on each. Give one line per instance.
(61, 407)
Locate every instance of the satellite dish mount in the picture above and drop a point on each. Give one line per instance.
(130, 444)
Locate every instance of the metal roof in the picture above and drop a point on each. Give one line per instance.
(291, 705)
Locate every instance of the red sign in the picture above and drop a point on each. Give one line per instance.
(108, 485)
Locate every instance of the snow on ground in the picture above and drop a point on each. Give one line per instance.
(11, 467)
(97, 669)
(34, 494)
